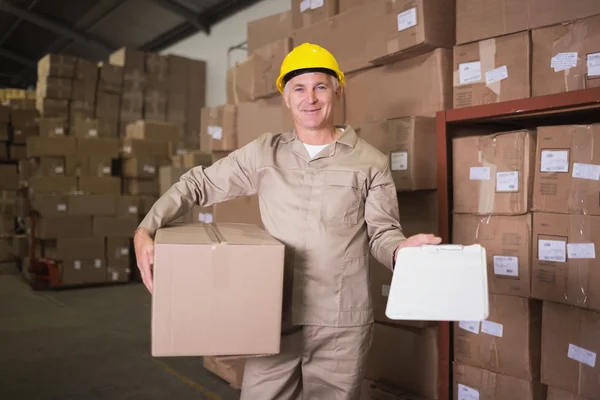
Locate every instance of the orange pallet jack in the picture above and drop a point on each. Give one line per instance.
(44, 273)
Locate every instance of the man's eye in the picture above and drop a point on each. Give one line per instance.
(321, 87)
(298, 89)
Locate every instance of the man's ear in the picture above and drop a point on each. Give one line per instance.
(285, 100)
(340, 92)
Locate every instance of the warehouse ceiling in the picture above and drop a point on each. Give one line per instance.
(92, 29)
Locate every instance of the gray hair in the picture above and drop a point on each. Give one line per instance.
(334, 83)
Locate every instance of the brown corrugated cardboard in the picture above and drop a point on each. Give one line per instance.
(110, 78)
(307, 13)
(77, 115)
(8, 212)
(507, 342)
(52, 184)
(48, 166)
(64, 227)
(153, 130)
(484, 19)
(4, 157)
(100, 185)
(129, 206)
(419, 211)
(398, 30)
(53, 147)
(168, 175)
(569, 348)
(345, 35)
(118, 248)
(564, 180)
(107, 112)
(118, 270)
(84, 94)
(267, 63)
(114, 226)
(177, 78)
(60, 249)
(197, 214)
(22, 104)
(155, 104)
(4, 114)
(475, 383)
(48, 205)
(133, 81)
(218, 128)
(557, 394)
(193, 159)
(494, 173)
(239, 210)
(55, 88)
(145, 148)
(83, 271)
(383, 391)
(229, 369)
(52, 107)
(492, 70)
(87, 128)
(141, 168)
(176, 106)
(565, 57)
(9, 177)
(24, 118)
(565, 267)
(59, 65)
(20, 135)
(345, 5)
(409, 144)
(426, 82)
(242, 80)
(17, 152)
(406, 358)
(269, 29)
(88, 147)
(21, 246)
(146, 202)
(51, 127)
(259, 117)
(138, 187)
(92, 204)
(183, 320)
(507, 240)
(128, 57)
(4, 136)
(6, 249)
(156, 64)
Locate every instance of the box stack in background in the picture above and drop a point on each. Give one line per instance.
(17, 98)
(9, 185)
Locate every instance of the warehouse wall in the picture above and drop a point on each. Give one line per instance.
(213, 48)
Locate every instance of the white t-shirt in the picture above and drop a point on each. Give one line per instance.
(313, 149)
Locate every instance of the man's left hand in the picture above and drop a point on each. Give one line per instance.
(418, 240)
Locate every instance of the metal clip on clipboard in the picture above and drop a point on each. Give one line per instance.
(439, 283)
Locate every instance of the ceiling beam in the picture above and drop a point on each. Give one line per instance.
(17, 57)
(184, 12)
(52, 25)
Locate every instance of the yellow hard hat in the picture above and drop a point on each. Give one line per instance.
(308, 57)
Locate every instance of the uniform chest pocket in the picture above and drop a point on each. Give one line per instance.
(342, 197)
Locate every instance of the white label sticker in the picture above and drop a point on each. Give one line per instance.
(314, 4)
(149, 169)
(59, 169)
(507, 181)
(469, 72)
(133, 210)
(201, 217)
(581, 250)
(492, 328)
(552, 250)
(399, 161)
(593, 64)
(564, 61)
(106, 170)
(407, 19)
(582, 355)
(586, 171)
(77, 264)
(93, 132)
(208, 218)
(181, 152)
(506, 265)
(480, 174)
(304, 5)
(216, 132)
(59, 131)
(18, 132)
(98, 263)
(61, 207)
(126, 149)
(385, 290)
(467, 393)
(496, 75)
(124, 251)
(115, 276)
(555, 161)
(471, 326)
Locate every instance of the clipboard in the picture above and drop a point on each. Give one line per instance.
(439, 283)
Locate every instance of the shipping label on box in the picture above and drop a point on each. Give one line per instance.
(118, 270)
(512, 330)
(118, 248)
(492, 70)
(129, 206)
(397, 30)
(141, 168)
(565, 267)
(494, 173)
(570, 347)
(51, 127)
(507, 240)
(476, 383)
(50, 205)
(409, 144)
(219, 128)
(82, 271)
(308, 12)
(21, 134)
(252, 256)
(567, 173)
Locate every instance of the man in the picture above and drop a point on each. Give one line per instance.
(330, 198)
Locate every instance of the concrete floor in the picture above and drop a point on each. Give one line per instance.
(90, 344)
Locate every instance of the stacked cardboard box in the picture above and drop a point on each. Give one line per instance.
(55, 85)
(493, 188)
(9, 185)
(565, 271)
(17, 98)
(24, 123)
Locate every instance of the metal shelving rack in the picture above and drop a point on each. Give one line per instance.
(581, 106)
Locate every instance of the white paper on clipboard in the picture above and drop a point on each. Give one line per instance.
(439, 283)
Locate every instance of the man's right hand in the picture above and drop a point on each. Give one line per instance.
(144, 252)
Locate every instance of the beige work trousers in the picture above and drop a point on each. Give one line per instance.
(315, 363)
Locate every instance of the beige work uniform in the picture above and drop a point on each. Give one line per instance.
(330, 212)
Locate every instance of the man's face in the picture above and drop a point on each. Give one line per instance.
(311, 98)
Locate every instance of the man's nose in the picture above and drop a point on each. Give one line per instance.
(312, 97)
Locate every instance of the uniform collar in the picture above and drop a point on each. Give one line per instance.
(348, 137)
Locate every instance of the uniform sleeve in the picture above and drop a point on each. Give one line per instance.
(228, 178)
(383, 218)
